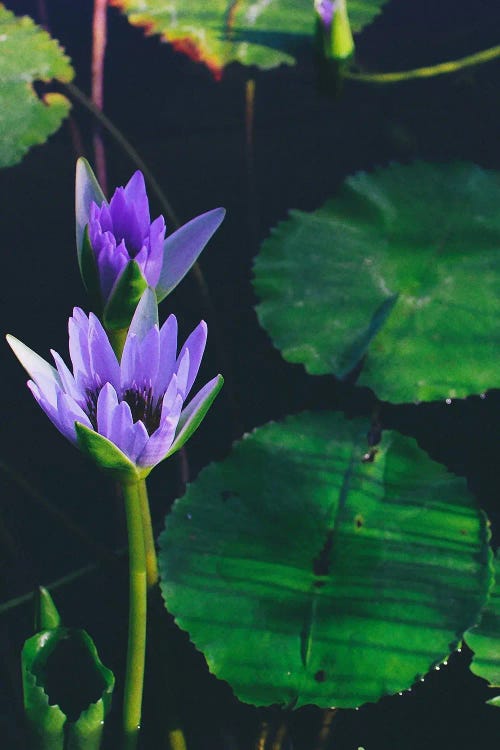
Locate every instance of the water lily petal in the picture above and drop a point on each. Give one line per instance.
(182, 371)
(145, 316)
(67, 380)
(69, 412)
(182, 248)
(160, 441)
(193, 414)
(105, 367)
(195, 343)
(44, 375)
(168, 354)
(136, 196)
(107, 402)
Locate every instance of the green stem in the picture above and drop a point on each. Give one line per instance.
(149, 541)
(428, 72)
(136, 651)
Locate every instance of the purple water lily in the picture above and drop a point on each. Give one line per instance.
(127, 415)
(122, 231)
(120, 250)
(325, 9)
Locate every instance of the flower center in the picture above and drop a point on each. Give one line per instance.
(143, 405)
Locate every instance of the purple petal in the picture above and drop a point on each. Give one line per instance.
(125, 222)
(129, 363)
(182, 248)
(182, 371)
(78, 327)
(154, 261)
(48, 406)
(69, 412)
(195, 343)
(111, 262)
(104, 365)
(168, 355)
(67, 380)
(145, 316)
(169, 397)
(160, 441)
(45, 376)
(107, 402)
(135, 193)
(122, 428)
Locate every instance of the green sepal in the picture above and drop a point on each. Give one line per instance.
(494, 701)
(186, 426)
(341, 41)
(87, 189)
(90, 272)
(125, 297)
(48, 725)
(46, 615)
(107, 456)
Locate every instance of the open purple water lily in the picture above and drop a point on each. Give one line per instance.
(121, 252)
(128, 415)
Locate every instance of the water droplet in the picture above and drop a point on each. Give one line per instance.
(437, 668)
(448, 401)
(189, 516)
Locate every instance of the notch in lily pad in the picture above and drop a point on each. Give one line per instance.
(62, 712)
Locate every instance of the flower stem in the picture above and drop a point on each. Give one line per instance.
(149, 541)
(433, 70)
(134, 677)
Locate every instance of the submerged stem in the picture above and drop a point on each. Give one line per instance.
(136, 650)
(428, 72)
(149, 541)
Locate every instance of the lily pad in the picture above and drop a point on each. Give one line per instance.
(484, 639)
(28, 54)
(263, 33)
(306, 574)
(400, 273)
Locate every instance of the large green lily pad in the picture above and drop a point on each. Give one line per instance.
(27, 54)
(306, 574)
(484, 639)
(263, 33)
(400, 273)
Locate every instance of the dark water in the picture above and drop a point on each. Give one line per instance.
(191, 131)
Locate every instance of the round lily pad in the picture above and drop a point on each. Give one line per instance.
(265, 34)
(309, 572)
(399, 273)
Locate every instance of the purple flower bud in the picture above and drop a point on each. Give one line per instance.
(128, 415)
(121, 252)
(122, 231)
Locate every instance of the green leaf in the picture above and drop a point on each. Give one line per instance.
(484, 639)
(307, 575)
(46, 615)
(401, 271)
(27, 54)
(125, 297)
(49, 726)
(107, 455)
(265, 34)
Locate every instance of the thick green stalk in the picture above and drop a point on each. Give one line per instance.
(149, 541)
(136, 651)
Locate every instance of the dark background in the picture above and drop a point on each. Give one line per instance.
(191, 131)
